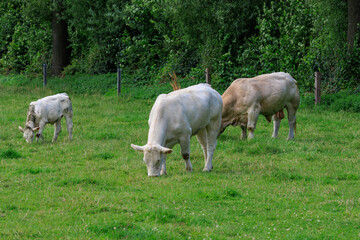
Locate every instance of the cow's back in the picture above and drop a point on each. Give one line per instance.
(192, 107)
(52, 107)
(272, 91)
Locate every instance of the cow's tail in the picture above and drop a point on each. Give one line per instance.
(295, 127)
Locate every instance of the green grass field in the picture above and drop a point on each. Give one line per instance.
(96, 186)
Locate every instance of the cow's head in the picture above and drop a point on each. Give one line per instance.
(29, 133)
(153, 155)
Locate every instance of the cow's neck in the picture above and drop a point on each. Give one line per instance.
(31, 119)
(157, 133)
(30, 124)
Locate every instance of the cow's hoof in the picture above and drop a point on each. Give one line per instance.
(189, 169)
(207, 170)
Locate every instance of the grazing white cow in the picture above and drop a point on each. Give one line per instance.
(177, 116)
(267, 94)
(48, 110)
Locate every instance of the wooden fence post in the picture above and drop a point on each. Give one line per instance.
(317, 88)
(208, 76)
(44, 75)
(118, 81)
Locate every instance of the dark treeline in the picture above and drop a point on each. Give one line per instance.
(152, 38)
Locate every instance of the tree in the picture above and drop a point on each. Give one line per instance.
(60, 43)
(353, 21)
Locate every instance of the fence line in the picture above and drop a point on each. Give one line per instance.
(118, 81)
(317, 88)
(118, 77)
(318, 80)
(44, 74)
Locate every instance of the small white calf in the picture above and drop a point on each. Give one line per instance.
(48, 110)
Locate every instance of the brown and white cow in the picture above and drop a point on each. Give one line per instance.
(266, 94)
(48, 110)
(177, 116)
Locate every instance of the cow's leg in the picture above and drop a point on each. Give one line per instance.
(202, 138)
(277, 122)
(211, 132)
(185, 152)
(163, 164)
(292, 121)
(57, 129)
(69, 123)
(39, 133)
(253, 114)
(243, 131)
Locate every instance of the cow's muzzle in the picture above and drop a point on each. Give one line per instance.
(153, 175)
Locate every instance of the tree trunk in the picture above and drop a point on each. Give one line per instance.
(353, 21)
(60, 45)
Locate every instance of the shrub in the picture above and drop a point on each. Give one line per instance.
(341, 101)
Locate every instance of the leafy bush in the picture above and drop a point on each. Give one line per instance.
(350, 103)
(27, 44)
(341, 101)
(283, 40)
(151, 38)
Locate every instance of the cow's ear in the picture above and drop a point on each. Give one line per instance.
(138, 148)
(36, 129)
(21, 129)
(165, 150)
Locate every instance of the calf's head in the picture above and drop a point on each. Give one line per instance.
(152, 157)
(28, 133)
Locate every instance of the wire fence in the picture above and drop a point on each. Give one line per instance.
(207, 76)
(320, 82)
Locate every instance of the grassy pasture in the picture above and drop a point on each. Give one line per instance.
(96, 187)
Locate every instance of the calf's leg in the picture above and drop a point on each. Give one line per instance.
(39, 133)
(69, 124)
(57, 129)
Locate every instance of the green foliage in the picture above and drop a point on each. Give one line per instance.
(105, 84)
(328, 51)
(212, 31)
(151, 38)
(342, 101)
(30, 43)
(9, 16)
(95, 34)
(347, 68)
(283, 41)
(348, 101)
